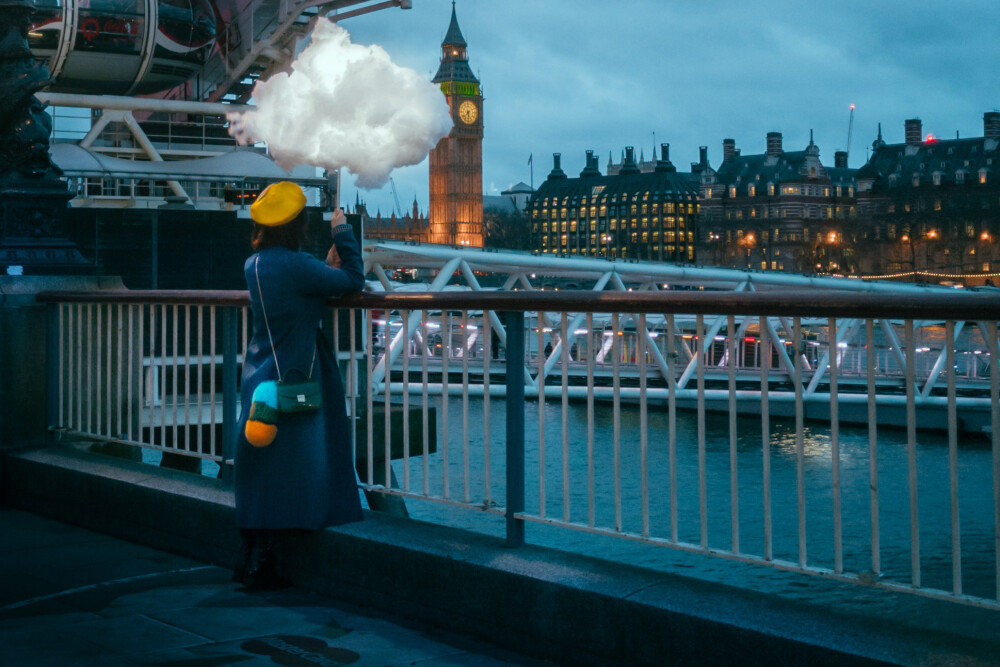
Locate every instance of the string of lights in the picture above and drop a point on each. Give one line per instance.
(928, 274)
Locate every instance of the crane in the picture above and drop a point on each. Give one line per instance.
(850, 129)
(392, 184)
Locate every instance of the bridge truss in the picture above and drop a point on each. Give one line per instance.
(687, 351)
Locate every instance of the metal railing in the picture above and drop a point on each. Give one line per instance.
(604, 457)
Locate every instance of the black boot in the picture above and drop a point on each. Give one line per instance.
(262, 569)
(243, 559)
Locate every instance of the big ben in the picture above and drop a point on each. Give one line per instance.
(456, 163)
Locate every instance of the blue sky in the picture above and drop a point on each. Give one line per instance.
(571, 75)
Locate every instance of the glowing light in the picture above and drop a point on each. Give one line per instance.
(852, 107)
(930, 138)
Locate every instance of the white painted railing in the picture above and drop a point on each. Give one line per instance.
(607, 450)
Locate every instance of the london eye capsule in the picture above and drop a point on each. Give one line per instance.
(125, 46)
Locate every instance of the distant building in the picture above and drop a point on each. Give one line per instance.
(456, 163)
(931, 205)
(633, 215)
(513, 200)
(411, 226)
(779, 210)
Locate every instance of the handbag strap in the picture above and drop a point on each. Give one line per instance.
(263, 308)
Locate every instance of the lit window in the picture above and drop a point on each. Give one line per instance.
(751, 191)
(770, 189)
(937, 204)
(937, 178)
(732, 191)
(982, 176)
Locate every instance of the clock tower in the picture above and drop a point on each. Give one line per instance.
(456, 163)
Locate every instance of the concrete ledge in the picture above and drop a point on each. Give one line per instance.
(565, 607)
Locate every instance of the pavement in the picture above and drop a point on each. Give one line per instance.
(69, 597)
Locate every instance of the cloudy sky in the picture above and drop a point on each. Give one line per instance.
(564, 76)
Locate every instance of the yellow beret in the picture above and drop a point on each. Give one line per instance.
(277, 204)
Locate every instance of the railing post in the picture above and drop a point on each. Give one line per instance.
(52, 378)
(515, 426)
(229, 396)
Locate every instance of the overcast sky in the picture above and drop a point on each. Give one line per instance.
(564, 76)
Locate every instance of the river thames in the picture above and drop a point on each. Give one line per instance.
(975, 499)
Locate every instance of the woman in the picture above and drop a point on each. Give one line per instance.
(304, 479)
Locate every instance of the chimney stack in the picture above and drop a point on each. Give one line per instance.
(728, 148)
(664, 164)
(774, 143)
(557, 171)
(840, 159)
(703, 156)
(591, 167)
(914, 129)
(991, 125)
(629, 166)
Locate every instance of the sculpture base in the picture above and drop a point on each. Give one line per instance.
(33, 237)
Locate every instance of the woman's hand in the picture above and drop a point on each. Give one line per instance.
(333, 257)
(338, 218)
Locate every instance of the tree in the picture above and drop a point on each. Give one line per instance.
(506, 230)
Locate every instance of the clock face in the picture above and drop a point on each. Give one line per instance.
(468, 112)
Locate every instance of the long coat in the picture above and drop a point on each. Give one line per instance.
(305, 478)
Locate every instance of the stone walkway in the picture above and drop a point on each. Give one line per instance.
(69, 596)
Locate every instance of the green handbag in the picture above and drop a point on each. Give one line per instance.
(302, 396)
(293, 397)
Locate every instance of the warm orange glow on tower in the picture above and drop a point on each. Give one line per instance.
(456, 163)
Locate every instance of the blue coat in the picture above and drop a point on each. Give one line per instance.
(305, 478)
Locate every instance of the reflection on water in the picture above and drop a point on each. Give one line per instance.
(547, 495)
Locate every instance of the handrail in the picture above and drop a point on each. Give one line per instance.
(953, 306)
(101, 387)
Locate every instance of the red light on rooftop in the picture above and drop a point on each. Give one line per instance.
(852, 107)
(930, 138)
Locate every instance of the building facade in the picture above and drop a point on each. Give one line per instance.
(777, 211)
(631, 215)
(456, 163)
(930, 208)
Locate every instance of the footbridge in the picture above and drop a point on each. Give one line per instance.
(840, 355)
